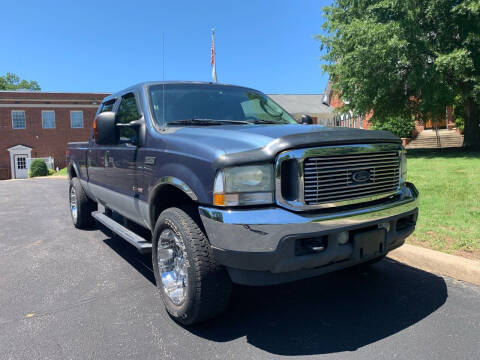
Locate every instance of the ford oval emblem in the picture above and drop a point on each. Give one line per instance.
(361, 176)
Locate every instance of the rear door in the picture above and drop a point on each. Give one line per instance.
(120, 170)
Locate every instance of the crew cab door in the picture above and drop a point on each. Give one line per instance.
(120, 170)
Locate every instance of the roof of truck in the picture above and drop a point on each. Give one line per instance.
(150, 83)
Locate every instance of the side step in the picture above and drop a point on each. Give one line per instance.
(142, 245)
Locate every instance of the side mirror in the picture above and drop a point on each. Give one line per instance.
(105, 129)
(307, 120)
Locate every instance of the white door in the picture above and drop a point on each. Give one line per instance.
(21, 169)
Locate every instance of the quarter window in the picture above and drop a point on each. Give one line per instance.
(48, 119)
(108, 105)
(127, 111)
(18, 120)
(76, 119)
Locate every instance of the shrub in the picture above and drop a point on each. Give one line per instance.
(460, 124)
(402, 127)
(51, 171)
(38, 168)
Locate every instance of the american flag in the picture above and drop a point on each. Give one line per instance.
(212, 57)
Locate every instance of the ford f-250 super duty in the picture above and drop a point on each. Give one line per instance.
(233, 189)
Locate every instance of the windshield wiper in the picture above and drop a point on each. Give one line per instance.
(260, 121)
(197, 121)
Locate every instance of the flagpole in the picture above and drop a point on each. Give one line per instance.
(213, 60)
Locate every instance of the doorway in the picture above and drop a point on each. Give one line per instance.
(20, 156)
(21, 169)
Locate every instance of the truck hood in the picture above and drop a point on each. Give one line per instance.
(241, 144)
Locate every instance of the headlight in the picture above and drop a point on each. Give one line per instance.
(403, 167)
(244, 185)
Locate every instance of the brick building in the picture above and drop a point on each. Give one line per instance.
(36, 124)
(332, 99)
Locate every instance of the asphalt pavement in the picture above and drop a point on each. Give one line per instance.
(73, 294)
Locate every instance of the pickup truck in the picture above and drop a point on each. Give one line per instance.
(224, 187)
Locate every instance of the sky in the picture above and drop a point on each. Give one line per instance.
(105, 46)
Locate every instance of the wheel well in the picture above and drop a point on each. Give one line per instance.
(167, 196)
(71, 172)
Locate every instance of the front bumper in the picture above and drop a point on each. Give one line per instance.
(253, 241)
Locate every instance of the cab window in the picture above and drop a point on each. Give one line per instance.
(127, 112)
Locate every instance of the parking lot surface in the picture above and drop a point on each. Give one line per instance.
(72, 294)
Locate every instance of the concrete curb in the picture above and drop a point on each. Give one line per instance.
(437, 262)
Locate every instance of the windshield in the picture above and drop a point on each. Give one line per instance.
(207, 103)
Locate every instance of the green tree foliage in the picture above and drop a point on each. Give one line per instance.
(401, 126)
(38, 168)
(459, 113)
(12, 82)
(405, 58)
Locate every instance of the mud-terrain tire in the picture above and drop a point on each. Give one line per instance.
(81, 206)
(193, 286)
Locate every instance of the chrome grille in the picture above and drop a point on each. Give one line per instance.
(335, 178)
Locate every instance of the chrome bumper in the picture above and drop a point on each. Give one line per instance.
(261, 230)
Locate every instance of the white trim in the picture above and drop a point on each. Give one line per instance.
(54, 123)
(48, 105)
(19, 150)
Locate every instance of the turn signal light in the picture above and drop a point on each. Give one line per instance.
(95, 130)
(219, 199)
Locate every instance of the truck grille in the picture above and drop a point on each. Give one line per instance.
(338, 178)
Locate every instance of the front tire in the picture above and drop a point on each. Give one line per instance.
(81, 206)
(194, 287)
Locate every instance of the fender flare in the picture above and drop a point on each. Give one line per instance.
(75, 167)
(171, 180)
(162, 182)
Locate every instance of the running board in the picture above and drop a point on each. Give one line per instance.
(142, 245)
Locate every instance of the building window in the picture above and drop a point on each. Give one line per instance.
(76, 119)
(48, 119)
(18, 119)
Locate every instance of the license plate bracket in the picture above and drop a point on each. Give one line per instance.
(369, 243)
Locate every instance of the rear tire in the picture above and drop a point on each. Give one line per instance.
(194, 287)
(81, 206)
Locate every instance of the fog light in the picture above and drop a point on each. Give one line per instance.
(342, 238)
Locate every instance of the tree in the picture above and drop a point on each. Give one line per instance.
(406, 58)
(12, 82)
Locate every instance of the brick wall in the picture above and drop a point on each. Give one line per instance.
(44, 142)
(336, 103)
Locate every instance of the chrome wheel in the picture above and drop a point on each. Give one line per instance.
(172, 266)
(73, 203)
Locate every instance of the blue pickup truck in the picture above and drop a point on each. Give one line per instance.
(223, 186)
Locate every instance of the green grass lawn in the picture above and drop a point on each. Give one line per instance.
(449, 185)
(61, 172)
